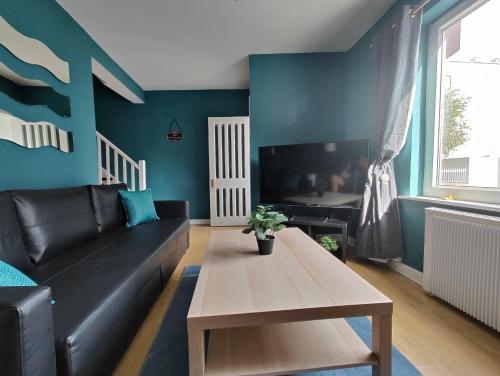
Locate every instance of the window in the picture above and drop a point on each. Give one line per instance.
(464, 104)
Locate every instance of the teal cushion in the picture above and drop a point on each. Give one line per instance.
(10, 276)
(139, 207)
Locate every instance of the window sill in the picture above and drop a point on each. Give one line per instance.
(453, 203)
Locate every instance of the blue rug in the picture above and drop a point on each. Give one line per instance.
(168, 355)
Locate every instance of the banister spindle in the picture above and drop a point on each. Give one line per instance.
(99, 161)
(142, 175)
(115, 170)
(124, 174)
(132, 177)
(108, 175)
(108, 170)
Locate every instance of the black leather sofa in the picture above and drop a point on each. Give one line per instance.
(103, 277)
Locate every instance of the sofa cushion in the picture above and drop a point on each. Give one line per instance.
(53, 221)
(108, 207)
(49, 269)
(139, 207)
(10, 276)
(12, 249)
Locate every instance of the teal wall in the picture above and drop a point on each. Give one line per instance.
(295, 98)
(174, 170)
(46, 21)
(36, 95)
(410, 163)
(9, 88)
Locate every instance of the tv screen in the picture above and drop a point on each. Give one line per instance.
(328, 174)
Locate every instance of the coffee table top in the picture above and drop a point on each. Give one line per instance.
(299, 281)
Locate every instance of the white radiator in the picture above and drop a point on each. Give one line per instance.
(462, 262)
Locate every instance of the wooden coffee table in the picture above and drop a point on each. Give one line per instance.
(282, 313)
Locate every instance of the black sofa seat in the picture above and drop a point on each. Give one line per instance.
(103, 287)
(115, 285)
(139, 241)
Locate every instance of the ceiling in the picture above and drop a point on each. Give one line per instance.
(204, 44)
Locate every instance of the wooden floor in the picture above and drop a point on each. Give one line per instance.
(438, 339)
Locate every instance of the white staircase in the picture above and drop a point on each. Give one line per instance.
(114, 166)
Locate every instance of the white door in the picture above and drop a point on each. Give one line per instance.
(229, 170)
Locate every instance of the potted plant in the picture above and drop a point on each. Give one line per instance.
(329, 243)
(265, 222)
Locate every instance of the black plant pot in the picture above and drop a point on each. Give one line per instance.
(266, 245)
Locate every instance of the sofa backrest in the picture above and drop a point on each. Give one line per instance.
(108, 207)
(54, 220)
(12, 249)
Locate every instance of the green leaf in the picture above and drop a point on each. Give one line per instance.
(261, 210)
(281, 218)
(247, 230)
(264, 220)
(279, 227)
(267, 222)
(329, 243)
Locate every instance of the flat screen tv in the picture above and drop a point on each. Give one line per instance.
(330, 174)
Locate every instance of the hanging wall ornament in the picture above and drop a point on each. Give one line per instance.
(174, 133)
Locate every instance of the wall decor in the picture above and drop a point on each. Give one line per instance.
(174, 133)
(32, 92)
(32, 51)
(34, 134)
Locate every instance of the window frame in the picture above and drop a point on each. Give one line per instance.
(433, 95)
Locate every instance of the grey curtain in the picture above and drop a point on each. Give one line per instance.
(396, 52)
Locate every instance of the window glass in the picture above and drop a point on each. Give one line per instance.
(469, 103)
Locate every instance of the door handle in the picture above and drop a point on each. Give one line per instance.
(212, 183)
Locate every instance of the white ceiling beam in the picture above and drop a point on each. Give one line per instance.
(108, 79)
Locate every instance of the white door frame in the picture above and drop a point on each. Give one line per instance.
(229, 170)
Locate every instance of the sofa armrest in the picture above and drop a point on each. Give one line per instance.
(172, 209)
(27, 345)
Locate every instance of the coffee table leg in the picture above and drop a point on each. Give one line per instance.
(196, 344)
(382, 344)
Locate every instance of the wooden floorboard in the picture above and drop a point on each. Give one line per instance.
(434, 336)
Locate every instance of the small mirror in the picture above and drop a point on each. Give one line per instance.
(34, 134)
(32, 92)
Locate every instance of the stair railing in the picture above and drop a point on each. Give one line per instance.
(114, 166)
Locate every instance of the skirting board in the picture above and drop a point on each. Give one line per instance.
(413, 274)
(199, 221)
(398, 266)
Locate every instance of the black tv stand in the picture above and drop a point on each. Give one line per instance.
(314, 219)
(322, 222)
